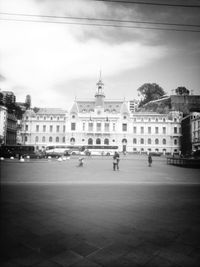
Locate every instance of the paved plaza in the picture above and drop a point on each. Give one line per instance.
(57, 214)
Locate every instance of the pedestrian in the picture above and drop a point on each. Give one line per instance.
(80, 162)
(114, 161)
(118, 159)
(150, 160)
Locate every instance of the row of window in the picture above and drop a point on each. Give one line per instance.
(50, 139)
(47, 118)
(50, 128)
(124, 128)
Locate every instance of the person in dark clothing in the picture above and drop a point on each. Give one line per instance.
(118, 158)
(150, 160)
(114, 162)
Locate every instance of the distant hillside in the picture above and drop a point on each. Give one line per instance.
(185, 104)
(161, 106)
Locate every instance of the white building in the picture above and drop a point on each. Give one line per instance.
(195, 130)
(3, 124)
(103, 122)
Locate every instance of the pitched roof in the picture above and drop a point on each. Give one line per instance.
(124, 108)
(51, 111)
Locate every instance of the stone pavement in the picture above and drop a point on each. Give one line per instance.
(145, 221)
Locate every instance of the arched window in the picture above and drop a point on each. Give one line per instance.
(50, 139)
(43, 139)
(156, 141)
(124, 141)
(175, 142)
(90, 141)
(164, 141)
(106, 141)
(36, 139)
(57, 139)
(149, 141)
(72, 140)
(134, 141)
(98, 141)
(142, 141)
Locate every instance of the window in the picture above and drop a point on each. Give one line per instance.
(124, 117)
(45, 118)
(98, 126)
(149, 141)
(175, 142)
(164, 130)
(134, 141)
(106, 127)
(98, 141)
(36, 139)
(64, 128)
(124, 127)
(106, 141)
(57, 139)
(156, 141)
(142, 130)
(51, 118)
(26, 138)
(114, 127)
(134, 129)
(90, 126)
(50, 139)
(124, 141)
(149, 130)
(37, 128)
(43, 139)
(83, 126)
(57, 128)
(51, 128)
(164, 141)
(141, 141)
(63, 139)
(90, 141)
(175, 130)
(156, 130)
(72, 140)
(44, 128)
(26, 127)
(58, 118)
(73, 126)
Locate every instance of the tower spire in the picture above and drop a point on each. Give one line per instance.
(99, 94)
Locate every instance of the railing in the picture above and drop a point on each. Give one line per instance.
(184, 162)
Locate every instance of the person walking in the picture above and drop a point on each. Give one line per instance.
(80, 162)
(149, 160)
(118, 159)
(114, 161)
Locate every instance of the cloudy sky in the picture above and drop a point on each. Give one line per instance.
(56, 62)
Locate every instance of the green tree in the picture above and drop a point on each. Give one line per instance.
(181, 90)
(149, 92)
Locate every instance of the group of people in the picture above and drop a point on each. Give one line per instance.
(116, 159)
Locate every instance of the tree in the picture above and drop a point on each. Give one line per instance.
(149, 92)
(181, 90)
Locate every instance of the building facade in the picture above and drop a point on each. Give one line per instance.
(3, 124)
(103, 122)
(195, 130)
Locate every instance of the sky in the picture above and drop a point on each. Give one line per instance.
(56, 63)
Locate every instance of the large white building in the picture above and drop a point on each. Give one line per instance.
(103, 122)
(3, 124)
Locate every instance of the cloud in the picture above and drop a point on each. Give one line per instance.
(38, 56)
